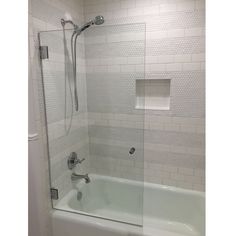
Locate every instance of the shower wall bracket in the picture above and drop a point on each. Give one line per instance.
(54, 194)
(43, 52)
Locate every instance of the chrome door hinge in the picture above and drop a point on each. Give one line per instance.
(43, 51)
(54, 194)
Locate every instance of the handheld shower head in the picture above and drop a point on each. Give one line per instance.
(98, 20)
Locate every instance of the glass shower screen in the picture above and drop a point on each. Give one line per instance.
(107, 133)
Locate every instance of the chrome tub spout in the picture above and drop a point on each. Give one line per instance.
(78, 177)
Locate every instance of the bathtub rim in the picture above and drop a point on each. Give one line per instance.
(145, 184)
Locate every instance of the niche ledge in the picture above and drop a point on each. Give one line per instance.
(153, 94)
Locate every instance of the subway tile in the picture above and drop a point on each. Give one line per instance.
(113, 69)
(127, 68)
(200, 5)
(100, 69)
(203, 66)
(168, 8)
(182, 58)
(193, 32)
(188, 128)
(175, 33)
(156, 35)
(115, 5)
(120, 14)
(140, 68)
(141, 3)
(114, 38)
(135, 60)
(191, 66)
(198, 57)
(128, 4)
(171, 169)
(135, 12)
(163, 119)
(172, 127)
(186, 6)
(156, 126)
(155, 166)
(164, 174)
(192, 179)
(95, 8)
(177, 177)
(178, 149)
(185, 171)
(156, 67)
(95, 40)
(195, 151)
(93, 62)
(151, 59)
(119, 60)
(114, 123)
(153, 10)
(165, 59)
(174, 67)
(104, 61)
(199, 172)
(132, 36)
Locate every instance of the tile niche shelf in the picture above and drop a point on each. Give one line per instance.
(153, 94)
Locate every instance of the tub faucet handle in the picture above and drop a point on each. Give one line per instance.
(73, 160)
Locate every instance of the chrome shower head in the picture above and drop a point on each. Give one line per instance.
(98, 20)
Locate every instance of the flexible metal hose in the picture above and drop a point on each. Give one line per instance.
(73, 55)
(75, 80)
(67, 80)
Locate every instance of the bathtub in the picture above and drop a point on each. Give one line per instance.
(149, 209)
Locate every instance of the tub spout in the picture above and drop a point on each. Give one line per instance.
(75, 176)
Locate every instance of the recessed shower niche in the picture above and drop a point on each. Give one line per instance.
(153, 94)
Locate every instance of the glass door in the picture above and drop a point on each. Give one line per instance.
(96, 154)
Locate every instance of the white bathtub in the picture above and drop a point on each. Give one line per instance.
(155, 210)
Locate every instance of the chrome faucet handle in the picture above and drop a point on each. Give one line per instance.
(73, 160)
(132, 151)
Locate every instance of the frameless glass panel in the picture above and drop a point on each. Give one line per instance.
(107, 131)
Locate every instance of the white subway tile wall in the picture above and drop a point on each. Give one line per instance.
(174, 151)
